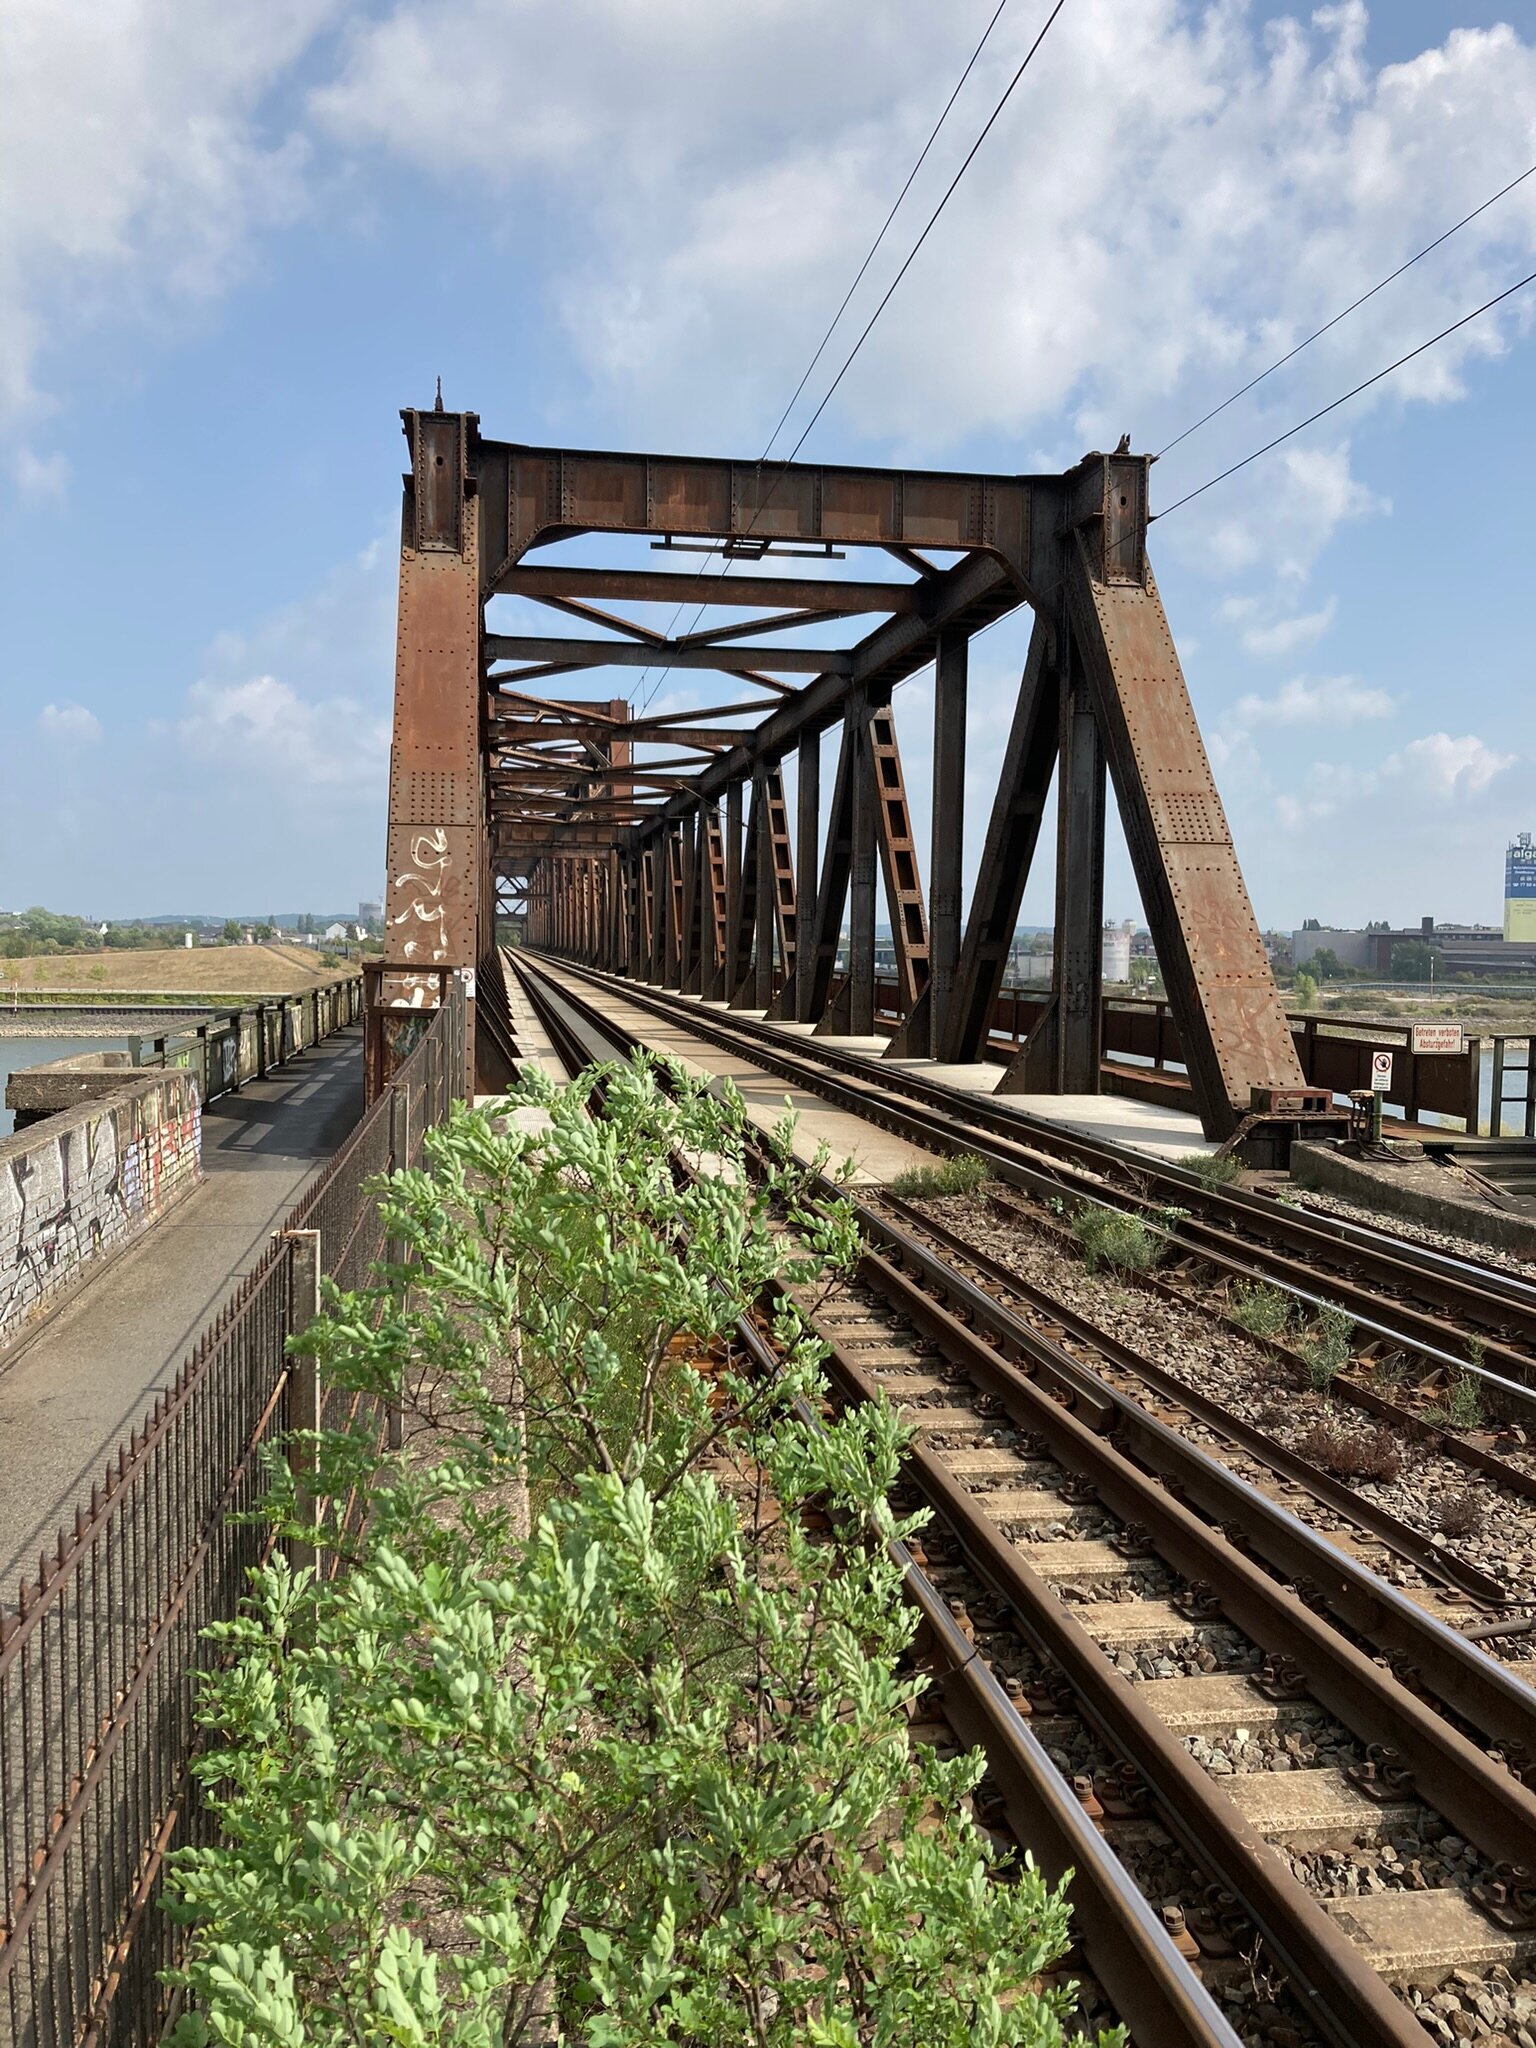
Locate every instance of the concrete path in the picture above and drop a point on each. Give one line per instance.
(71, 1393)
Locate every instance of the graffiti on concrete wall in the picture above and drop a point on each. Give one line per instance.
(80, 1186)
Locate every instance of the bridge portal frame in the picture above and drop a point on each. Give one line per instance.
(504, 801)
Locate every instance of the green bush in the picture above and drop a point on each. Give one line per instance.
(591, 1733)
(1110, 1237)
(961, 1174)
(1213, 1169)
(1463, 1407)
(1325, 1345)
(1261, 1310)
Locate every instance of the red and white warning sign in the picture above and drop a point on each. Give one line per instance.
(1381, 1072)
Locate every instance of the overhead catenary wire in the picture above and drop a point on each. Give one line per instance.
(1301, 425)
(891, 288)
(1344, 398)
(1353, 307)
(832, 324)
(873, 249)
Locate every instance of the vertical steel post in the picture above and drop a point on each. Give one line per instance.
(762, 955)
(303, 1380)
(1078, 974)
(950, 682)
(732, 886)
(861, 886)
(807, 863)
(438, 830)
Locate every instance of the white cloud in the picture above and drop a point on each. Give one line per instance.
(1175, 196)
(1268, 632)
(137, 167)
(1437, 770)
(1312, 700)
(40, 476)
(264, 725)
(1447, 768)
(69, 722)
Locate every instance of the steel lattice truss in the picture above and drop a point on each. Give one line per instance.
(659, 842)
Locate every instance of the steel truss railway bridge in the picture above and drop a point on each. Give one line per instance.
(661, 845)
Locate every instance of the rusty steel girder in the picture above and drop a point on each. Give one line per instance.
(606, 815)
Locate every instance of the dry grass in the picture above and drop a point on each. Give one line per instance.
(1351, 1453)
(174, 970)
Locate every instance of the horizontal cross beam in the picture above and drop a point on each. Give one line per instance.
(742, 590)
(671, 653)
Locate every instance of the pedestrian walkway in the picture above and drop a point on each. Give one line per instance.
(72, 1392)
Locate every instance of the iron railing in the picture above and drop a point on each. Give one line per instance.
(99, 1656)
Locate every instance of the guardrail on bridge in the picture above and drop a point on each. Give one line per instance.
(100, 1653)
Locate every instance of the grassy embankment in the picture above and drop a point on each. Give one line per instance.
(213, 973)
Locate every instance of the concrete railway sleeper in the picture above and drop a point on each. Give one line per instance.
(1125, 1946)
(1002, 1449)
(1472, 1326)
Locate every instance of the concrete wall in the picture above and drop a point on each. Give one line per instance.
(80, 1186)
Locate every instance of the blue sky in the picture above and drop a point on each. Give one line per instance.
(235, 240)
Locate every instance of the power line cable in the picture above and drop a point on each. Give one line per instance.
(1352, 307)
(832, 325)
(1365, 385)
(932, 222)
(1499, 297)
(891, 288)
(933, 136)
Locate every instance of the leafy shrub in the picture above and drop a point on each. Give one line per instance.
(588, 1732)
(1325, 1345)
(1214, 1169)
(1463, 1408)
(1111, 1237)
(1262, 1310)
(961, 1174)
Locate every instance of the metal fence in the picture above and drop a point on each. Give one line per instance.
(99, 1657)
(235, 1046)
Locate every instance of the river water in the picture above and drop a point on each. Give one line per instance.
(36, 1052)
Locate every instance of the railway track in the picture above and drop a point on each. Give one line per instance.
(1451, 1316)
(1306, 1770)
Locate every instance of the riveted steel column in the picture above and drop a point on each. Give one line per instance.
(437, 823)
(950, 682)
(861, 887)
(807, 862)
(719, 915)
(821, 941)
(1029, 761)
(762, 956)
(1078, 967)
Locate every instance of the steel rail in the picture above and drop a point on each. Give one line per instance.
(1349, 2002)
(1127, 1948)
(1459, 1673)
(1486, 1803)
(1359, 1393)
(1407, 1261)
(1043, 1157)
(1414, 1548)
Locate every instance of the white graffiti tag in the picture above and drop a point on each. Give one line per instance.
(429, 864)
